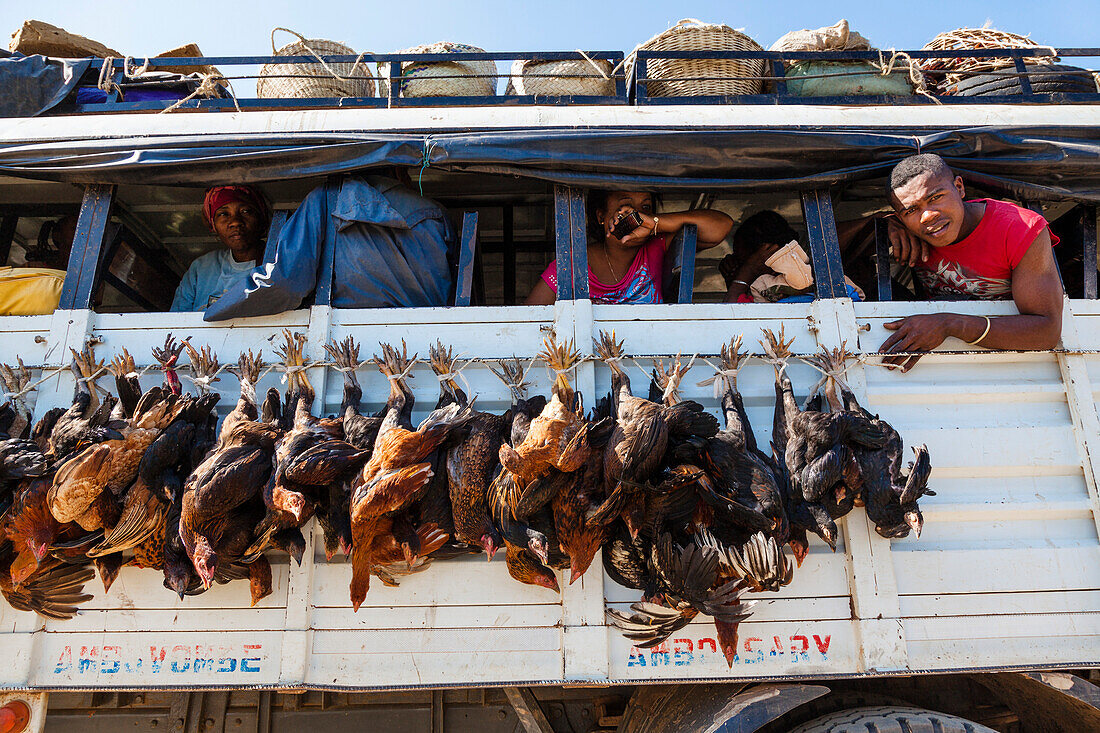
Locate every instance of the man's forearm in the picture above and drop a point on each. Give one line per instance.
(1006, 332)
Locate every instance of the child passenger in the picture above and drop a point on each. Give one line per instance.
(629, 270)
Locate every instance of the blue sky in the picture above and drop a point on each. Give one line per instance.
(234, 28)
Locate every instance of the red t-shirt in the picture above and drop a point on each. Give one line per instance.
(980, 266)
(640, 284)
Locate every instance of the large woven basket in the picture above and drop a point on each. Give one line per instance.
(283, 81)
(445, 78)
(974, 39)
(582, 77)
(701, 77)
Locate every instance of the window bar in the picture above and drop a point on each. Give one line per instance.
(882, 262)
(395, 82)
(91, 231)
(780, 72)
(467, 252)
(563, 242)
(578, 244)
(689, 236)
(7, 234)
(640, 76)
(1088, 249)
(817, 208)
(323, 294)
(509, 237)
(1025, 81)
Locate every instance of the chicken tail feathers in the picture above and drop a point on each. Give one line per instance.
(916, 485)
(689, 418)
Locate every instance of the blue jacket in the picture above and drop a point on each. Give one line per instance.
(392, 251)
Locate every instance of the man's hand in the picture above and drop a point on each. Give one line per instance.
(906, 247)
(915, 333)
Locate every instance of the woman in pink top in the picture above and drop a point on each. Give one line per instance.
(630, 270)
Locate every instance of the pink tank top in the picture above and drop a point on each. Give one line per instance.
(640, 284)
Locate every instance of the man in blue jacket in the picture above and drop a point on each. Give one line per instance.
(391, 251)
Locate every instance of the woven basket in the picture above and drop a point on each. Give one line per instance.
(562, 78)
(975, 39)
(288, 81)
(445, 78)
(701, 77)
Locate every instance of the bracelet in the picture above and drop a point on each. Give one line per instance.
(985, 333)
(740, 282)
(655, 220)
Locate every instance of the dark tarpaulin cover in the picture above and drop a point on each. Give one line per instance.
(1025, 162)
(31, 85)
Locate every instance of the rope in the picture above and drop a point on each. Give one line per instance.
(316, 55)
(425, 161)
(917, 78)
(208, 87)
(673, 386)
(455, 374)
(729, 376)
(106, 78)
(596, 66)
(396, 378)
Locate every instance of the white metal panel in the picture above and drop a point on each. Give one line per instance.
(1009, 543)
(477, 118)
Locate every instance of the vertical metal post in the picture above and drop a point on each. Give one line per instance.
(688, 246)
(509, 245)
(578, 244)
(91, 231)
(620, 77)
(882, 262)
(323, 293)
(640, 76)
(817, 208)
(467, 252)
(1021, 69)
(780, 77)
(563, 255)
(1088, 249)
(7, 234)
(395, 82)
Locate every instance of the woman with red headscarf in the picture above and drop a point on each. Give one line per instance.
(239, 216)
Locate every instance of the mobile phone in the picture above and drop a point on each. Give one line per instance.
(627, 223)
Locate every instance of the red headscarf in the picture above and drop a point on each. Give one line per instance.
(219, 196)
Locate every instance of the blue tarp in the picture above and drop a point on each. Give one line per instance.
(31, 85)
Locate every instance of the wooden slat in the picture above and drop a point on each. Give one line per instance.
(144, 588)
(771, 608)
(484, 616)
(451, 583)
(431, 641)
(409, 665)
(978, 604)
(927, 572)
(143, 619)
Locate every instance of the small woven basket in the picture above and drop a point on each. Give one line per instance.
(976, 39)
(582, 77)
(288, 81)
(445, 78)
(701, 77)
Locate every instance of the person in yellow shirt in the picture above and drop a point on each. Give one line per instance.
(35, 288)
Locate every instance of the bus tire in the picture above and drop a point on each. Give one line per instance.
(881, 719)
(1045, 79)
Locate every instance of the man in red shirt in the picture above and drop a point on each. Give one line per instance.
(965, 250)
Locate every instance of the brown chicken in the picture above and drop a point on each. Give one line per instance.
(309, 458)
(53, 589)
(637, 445)
(528, 570)
(86, 421)
(558, 437)
(30, 527)
(471, 463)
(397, 471)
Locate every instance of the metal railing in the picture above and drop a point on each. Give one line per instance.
(630, 78)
